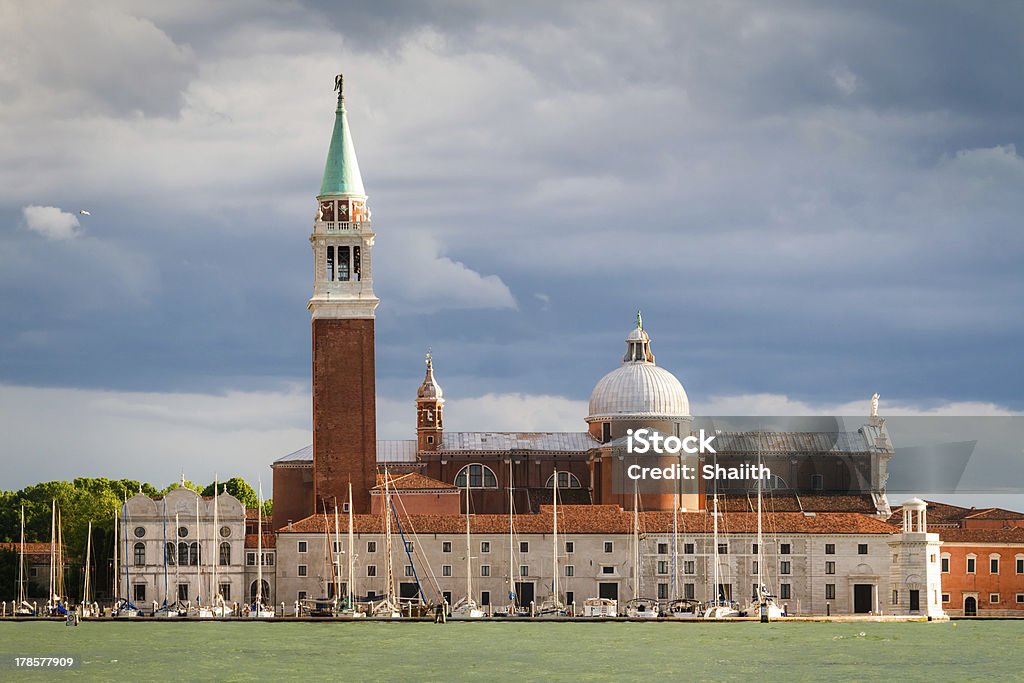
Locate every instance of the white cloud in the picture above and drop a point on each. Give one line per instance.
(51, 222)
(782, 405)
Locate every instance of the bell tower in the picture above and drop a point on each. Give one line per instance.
(429, 412)
(342, 308)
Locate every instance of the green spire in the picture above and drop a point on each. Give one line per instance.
(341, 173)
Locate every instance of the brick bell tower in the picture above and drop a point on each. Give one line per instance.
(342, 308)
(429, 412)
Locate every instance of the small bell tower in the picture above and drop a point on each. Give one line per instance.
(429, 411)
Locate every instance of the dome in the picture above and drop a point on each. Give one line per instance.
(430, 388)
(638, 388)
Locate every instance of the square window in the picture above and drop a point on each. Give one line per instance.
(446, 546)
(945, 597)
(688, 548)
(570, 570)
(607, 570)
(663, 548)
(371, 570)
(446, 570)
(303, 546)
(784, 567)
(723, 548)
(608, 546)
(830, 567)
(784, 549)
(302, 570)
(830, 591)
(302, 595)
(371, 546)
(830, 548)
(485, 546)
(524, 546)
(862, 548)
(570, 547)
(1020, 598)
(409, 547)
(784, 591)
(524, 570)
(993, 598)
(485, 570)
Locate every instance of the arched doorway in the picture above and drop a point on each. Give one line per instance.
(266, 592)
(970, 606)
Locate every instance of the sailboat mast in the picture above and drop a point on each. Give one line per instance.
(21, 561)
(199, 556)
(714, 517)
(166, 559)
(177, 565)
(117, 569)
(88, 562)
(636, 541)
(390, 588)
(351, 551)
(675, 544)
(336, 565)
(469, 562)
(554, 542)
(60, 558)
(53, 547)
(760, 539)
(259, 546)
(215, 559)
(511, 552)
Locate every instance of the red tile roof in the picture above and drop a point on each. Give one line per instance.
(610, 519)
(269, 540)
(412, 481)
(1014, 535)
(34, 549)
(996, 514)
(789, 502)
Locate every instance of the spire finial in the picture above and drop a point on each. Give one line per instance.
(639, 320)
(339, 85)
(430, 363)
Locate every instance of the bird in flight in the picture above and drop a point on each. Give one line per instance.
(84, 212)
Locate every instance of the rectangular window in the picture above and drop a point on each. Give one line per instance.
(485, 546)
(970, 565)
(408, 547)
(485, 598)
(303, 546)
(663, 566)
(485, 570)
(371, 570)
(570, 597)
(607, 570)
(524, 546)
(817, 482)
(830, 548)
(663, 591)
(1020, 565)
(993, 565)
(1020, 598)
(895, 597)
(570, 570)
(945, 597)
(268, 559)
(336, 546)
(993, 598)
(945, 565)
(139, 593)
(303, 570)
(608, 546)
(784, 567)
(250, 559)
(446, 570)
(570, 547)
(225, 591)
(408, 570)
(225, 554)
(302, 595)
(784, 591)
(343, 256)
(663, 548)
(830, 567)
(723, 548)
(524, 570)
(688, 548)
(330, 264)
(830, 591)
(344, 506)
(862, 548)
(689, 590)
(784, 549)
(753, 569)
(753, 549)
(689, 567)
(446, 546)
(371, 546)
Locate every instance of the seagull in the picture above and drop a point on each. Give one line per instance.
(84, 212)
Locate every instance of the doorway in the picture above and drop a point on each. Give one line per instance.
(970, 606)
(608, 591)
(862, 598)
(524, 591)
(915, 601)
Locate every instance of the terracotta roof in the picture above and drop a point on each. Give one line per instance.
(788, 502)
(413, 481)
(996, 514)
(1012, 535)
(252, 541)
(611, 519)
(32, 548)
(938, 513)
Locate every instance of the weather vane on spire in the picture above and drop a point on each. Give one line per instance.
(339, 85)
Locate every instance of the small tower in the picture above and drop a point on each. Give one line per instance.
(915, 575)
(429, 411)
(342, 309)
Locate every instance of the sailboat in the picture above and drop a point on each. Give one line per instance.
(388, 607)
(259, 610)
(175, 609)
(679, 608)
(639, 607)
(123, 607)
(219, 608)
(86, 608)
(349, 607)
(22, 608)
(553, 606)
(466, 608)
(719, 607)
(513, 609)
(762, 603)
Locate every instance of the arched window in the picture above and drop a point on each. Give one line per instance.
(170, 556)
(140, 554)
(566, 480)
(183, 553)
(225, 554)
(193, 554)
(476, 477)
(265, 593)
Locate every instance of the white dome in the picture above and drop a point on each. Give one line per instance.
(639, 389)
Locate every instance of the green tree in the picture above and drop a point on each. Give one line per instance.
(238, 488)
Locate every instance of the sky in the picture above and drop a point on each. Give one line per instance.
(810, 203)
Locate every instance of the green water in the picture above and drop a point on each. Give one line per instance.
(960, 651)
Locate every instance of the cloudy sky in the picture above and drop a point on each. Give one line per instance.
(809, 201)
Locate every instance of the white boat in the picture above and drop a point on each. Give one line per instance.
(642, 608)
(763, 602)
(466, 607)
(553, 606)
(600, 607)
(22, 608)
(258, 609)
(683, 609)
(719, 608)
